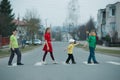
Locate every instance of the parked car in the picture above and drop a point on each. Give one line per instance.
(37, 42)
(29, 42)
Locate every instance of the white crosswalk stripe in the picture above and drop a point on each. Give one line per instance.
(13, 65)
(115, 63)
(64, 63)
(38, 64)
(85, 62)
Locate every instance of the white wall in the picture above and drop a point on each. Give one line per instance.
(118, 18)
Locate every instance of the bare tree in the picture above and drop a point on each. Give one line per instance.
(90, 25)
(82, 32)
(33, 22)
(83, 29)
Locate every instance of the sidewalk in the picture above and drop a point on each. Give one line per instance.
(103, 47)
(6, 47)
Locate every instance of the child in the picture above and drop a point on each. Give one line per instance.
(70, 51)
(92, 45)
(14, 47)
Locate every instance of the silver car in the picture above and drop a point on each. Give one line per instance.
(37, 42)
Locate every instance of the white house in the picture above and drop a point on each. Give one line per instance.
(108, 21)
(21, 27)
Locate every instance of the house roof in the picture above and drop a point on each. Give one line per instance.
(112, 4)
(18, 22)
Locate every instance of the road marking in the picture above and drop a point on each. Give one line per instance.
(85, 62)
(38, 64)
(115, 63)
(13, 65)
(64, 63)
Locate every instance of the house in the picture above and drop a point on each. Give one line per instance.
(108, 21)
(21, 28)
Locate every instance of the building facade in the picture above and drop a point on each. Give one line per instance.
(108, 21)
(21, 27)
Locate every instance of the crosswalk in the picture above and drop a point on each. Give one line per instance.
(84, 62)
(63, 63)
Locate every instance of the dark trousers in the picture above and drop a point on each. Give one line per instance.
(92, 55)
(70, 57)
(51, 54)
(18, 53)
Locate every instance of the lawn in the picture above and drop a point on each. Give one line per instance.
(6, 52)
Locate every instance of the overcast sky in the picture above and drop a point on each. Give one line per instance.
(55, 11)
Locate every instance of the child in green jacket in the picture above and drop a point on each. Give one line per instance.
(92, 45)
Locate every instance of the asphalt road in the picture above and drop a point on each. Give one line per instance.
(108, 69)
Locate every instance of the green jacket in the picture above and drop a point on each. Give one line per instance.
(92, 41)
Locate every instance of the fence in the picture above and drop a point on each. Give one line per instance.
(0, 41)
(4, 41)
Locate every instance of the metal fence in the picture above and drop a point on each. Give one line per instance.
(4, 41)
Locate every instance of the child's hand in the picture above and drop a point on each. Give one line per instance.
(84, 46)
(78, 43)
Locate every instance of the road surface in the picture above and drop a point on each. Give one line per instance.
(108, 69)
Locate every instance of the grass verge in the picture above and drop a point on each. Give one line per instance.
(104, 51)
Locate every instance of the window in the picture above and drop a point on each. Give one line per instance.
(113, 12)
(104, 17)
(104, 14)
(113, 26)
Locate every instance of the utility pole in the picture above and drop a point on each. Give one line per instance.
(73, 12)
(73, 16)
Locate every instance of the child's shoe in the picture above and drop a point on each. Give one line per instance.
(67, 62)
(73, 62)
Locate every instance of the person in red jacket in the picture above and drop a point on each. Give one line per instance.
(48, 45)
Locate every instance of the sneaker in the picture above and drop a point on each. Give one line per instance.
(43, 62)
(54, 62)
(96, 62)
(67, 62)
(89, 62)
(9, 64)
(20, 64)
(73, 62)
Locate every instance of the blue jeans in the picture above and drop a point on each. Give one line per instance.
(92, 55)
